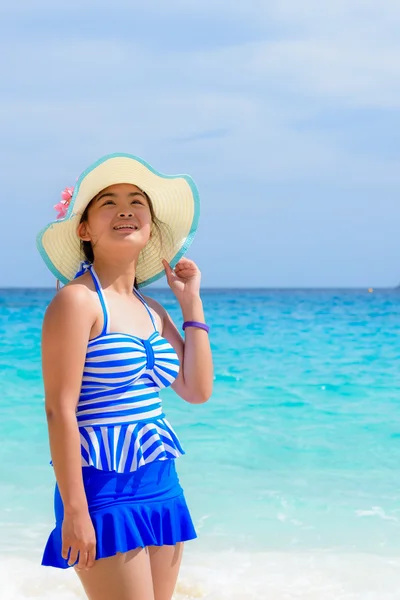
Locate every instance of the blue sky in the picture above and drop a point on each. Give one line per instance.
(285, 113)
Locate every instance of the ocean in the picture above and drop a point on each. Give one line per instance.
(292, 468)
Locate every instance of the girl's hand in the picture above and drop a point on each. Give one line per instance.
(184, 280)
(78, 535)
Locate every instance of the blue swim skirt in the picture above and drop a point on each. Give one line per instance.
(129, 510)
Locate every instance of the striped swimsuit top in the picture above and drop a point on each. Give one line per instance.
(120, 418)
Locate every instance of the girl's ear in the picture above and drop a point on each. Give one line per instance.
(82, 232)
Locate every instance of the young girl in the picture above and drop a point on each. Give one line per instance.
(107, 351)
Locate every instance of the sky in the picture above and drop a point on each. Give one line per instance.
(285, 113)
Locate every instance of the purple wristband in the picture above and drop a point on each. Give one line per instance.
(195, 324)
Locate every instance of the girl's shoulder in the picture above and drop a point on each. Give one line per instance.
(77, 295)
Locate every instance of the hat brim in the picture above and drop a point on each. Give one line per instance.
(176, 204)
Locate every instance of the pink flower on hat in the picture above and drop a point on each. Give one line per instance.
(62, 206)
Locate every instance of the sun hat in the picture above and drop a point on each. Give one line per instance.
(176, 204)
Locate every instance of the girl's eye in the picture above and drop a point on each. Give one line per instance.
(108, 202)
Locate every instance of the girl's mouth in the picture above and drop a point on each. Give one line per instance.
(125, 227)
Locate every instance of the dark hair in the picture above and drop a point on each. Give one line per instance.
(87, 247)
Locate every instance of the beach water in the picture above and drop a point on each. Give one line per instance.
(292, 468)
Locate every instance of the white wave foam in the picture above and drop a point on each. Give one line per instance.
(232, 576)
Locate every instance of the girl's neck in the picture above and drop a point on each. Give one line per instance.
(118, 277)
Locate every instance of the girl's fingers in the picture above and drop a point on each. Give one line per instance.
(73, 557)
(168, 271)
(166, 266)
(185, 275)
(185, 269)
(188, 267)
(83, 558)
(64, 551)
(91, 556)
(185, 263)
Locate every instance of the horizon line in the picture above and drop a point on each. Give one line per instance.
(231, 288)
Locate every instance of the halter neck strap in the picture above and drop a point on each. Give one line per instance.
(104, 306)
(139, 295)
(99, 290)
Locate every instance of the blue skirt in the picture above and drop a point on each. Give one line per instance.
(128, 510)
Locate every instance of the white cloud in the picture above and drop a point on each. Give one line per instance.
(121, 93)
(342, 51)
(238, 115)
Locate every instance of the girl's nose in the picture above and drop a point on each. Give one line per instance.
(123, 215)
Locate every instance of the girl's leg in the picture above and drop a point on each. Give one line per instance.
(125, 576)
(165, 562)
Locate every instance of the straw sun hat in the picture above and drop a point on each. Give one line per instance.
(175, 200)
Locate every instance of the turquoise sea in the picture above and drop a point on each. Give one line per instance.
(292, 469)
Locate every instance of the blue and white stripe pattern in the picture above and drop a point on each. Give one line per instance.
(119, 412)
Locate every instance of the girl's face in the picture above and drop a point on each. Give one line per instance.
(119, 219)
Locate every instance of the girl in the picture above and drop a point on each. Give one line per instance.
(107, 351)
